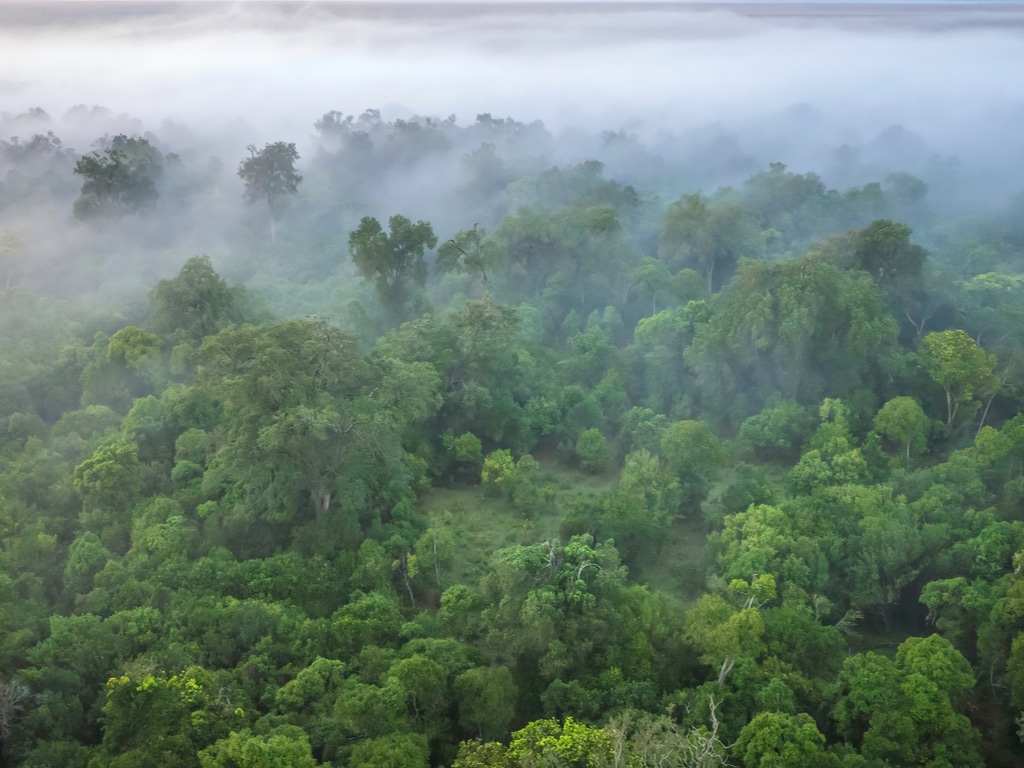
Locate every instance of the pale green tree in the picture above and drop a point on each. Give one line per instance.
(903, 421)
(956, 363)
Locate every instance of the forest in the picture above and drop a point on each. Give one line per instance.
(419, 443)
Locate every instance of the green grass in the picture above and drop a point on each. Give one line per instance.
(482, 524)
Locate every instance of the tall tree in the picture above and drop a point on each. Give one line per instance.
(394, 259)
(269, 174)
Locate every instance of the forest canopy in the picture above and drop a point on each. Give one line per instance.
(561, 464)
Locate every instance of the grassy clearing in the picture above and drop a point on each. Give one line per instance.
(680, 566)
(482, 524)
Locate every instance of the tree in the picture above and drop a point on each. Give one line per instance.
(284, 747)
(693, 454)
(903, 421)
(269, 174)
(470, 251)
(392, 259)
(639, 512)
(883, 250)
(958, 365)
(551, 608)
(14, 698)
(486, 697)
(722, 634)
(652, 278)
(394, 750)
(153, 719)
(592, 451)
(108, 482)
(568, 745)
(779, 740)
(308, 419)
(120, 179)
(802, 329)
(708, 237)
(905, 712)
(195, 304)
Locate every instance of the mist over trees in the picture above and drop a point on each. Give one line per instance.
(411, 440)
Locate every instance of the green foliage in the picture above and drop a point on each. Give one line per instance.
(777, 432)
(396, 750)
(152, 719)
(195, 304)
(562, 745)
(906, 712)
(709, 237)
(547, 603)
(516, 480)
(108, 483)
(468, 453)
(491, 754)
(796, 328)
(904, 422)
(120, 179)
(269, 174)
(393, 259)
(132, 346)
(470, 252)
(642, 507)
(310, 420)
(884, 251)
(958, 365)
(498, 470)
(778, 740)
(487, 697)
(693, 454)
(284, 747)
(641, 429)
(592, 451)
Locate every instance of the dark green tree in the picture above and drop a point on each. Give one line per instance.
(120, 179)
(883, 250)
(393, 259)
(193, 305)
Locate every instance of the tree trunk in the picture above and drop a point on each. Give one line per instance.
(727, 666)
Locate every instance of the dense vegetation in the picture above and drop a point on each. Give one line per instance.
(461, 458)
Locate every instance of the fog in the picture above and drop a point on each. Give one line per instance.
(624, 66)
(700, 94)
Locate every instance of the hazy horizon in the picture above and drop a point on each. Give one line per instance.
(281, 65)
